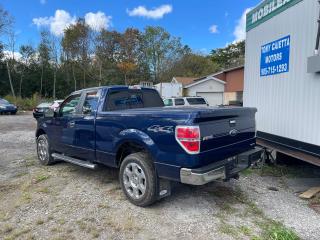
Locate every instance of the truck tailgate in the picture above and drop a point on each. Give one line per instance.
(223, 127)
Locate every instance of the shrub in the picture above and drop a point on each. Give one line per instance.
(27, 104)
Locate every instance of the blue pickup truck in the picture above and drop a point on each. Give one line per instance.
(129, 128)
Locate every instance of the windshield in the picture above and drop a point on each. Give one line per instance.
(196, 101)
(44, 105)
(3, 101)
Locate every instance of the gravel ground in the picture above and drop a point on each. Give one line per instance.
(64, 201)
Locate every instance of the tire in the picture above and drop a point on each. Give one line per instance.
(44, 151)
(138, 179)
(13, 113)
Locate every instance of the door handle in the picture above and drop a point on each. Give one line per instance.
(71, 124)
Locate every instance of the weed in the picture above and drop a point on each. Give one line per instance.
(61, 221)
(245, 230)
(40, 178)
(277, 231)
(40, 222)
(228, 229)
(247, 172)
(44, 190)
(7, 229)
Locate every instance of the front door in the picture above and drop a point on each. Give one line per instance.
(64, 125)
(84, 127)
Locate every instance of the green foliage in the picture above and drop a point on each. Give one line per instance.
(277, 231)
(230, 56)
(26, 103)
(192, 65)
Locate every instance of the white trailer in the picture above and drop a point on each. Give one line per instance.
(169, 89)
(282, 76)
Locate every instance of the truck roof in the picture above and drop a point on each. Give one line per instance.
(108, 87)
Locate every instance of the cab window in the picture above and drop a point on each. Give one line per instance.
(90, 103)
(168, 102)
(179, 101)
(69, 107)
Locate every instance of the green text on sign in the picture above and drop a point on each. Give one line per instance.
(267, 10)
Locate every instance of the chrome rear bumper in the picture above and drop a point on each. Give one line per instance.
(219, 170)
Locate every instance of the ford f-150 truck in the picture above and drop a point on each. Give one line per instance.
(129, 128)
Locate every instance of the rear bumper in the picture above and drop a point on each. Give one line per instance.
(37, 115)
(8, 110)
(220, 170)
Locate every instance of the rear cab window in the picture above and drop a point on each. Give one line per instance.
(168, 102)
(196, 101)
(91, 102)
(132, 98)
(179, 102)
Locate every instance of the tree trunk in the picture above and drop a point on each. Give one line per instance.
(41, 80)
(74, 78)
(84, 78)
(10, 80)
(20, 86)
(54, 83)
(125, 79)
(100, 74)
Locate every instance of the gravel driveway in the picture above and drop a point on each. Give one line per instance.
(64, 201)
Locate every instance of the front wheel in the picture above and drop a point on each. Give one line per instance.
(43, 150)
(138, 179)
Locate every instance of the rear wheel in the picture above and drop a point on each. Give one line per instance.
(138, 179)
(43, 150)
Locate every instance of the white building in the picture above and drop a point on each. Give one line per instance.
(170, 89)
(209, 87)
(282, 76)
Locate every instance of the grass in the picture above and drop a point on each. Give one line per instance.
(245, 230)
(228, 229)
(41, 178)
(40, 222)
(277, 231)
(268, 229)
(279, 170)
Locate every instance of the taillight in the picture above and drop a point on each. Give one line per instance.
(189, 138)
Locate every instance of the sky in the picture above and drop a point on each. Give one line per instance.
(202, 25)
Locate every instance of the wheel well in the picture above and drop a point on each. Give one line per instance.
(40, 132)
(126, 149)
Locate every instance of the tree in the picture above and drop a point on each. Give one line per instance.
(6, 24)
(27, 53)
(44, 55)
(76, 45)
(160, 49)
(192, 65)
(230, 56)
(129, 52)
(107, 49)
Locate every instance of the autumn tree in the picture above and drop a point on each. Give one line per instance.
(129, 52)
(160, 49)
(76, 45)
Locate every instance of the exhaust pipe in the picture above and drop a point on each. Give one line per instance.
(316, 51)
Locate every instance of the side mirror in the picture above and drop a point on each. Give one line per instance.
(86, 110)
(56, 112)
